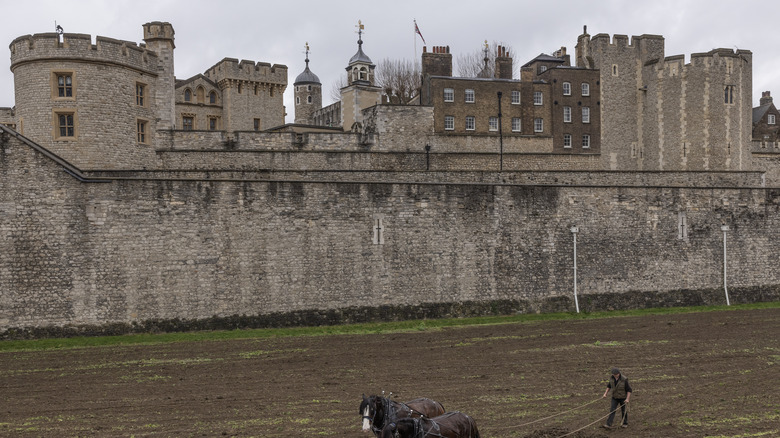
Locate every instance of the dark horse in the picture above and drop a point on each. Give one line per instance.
(379, 411)
(449, 425)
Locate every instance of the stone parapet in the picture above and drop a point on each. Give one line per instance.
(78, 47)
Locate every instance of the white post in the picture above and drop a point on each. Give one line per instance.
(574, 230)
(725, 228)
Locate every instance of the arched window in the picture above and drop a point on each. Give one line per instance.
(298, 100)
(308, 99)
(212, 97)
(201, 93)
(363, 74)
(187, 95)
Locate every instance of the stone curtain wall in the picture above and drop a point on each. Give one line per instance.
(133, 251)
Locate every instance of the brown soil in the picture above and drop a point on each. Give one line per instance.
(711, 374)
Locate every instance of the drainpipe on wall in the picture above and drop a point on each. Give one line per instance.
(574, 230)
(725, 229)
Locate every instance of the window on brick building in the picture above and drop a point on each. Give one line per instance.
(308, 99)
(728, 96)
(449, 123)
(66, 124)
(567, 89)
(542, 69)
(140, 94)
(298, 100)
(585, 114)
(187, 123)
(493, 123)
(212, 97)
(585, 89)
(586, 141)
(469, 96)
(515, 97)
(65, 85)
(771, 119)
(213, 125)
(516, 124)
(141, 131)
(449, 95)
(257, 124)
(187, 95)
(470, 123)
(567, 114)
(539, 125)
(538, 98)
(567, 141)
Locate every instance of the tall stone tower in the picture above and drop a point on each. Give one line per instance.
(361, 91)
(159, 39)
(308, 93)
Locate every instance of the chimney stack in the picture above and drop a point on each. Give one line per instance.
(765, 98)
(503, 63)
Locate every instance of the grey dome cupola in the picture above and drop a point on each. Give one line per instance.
(307, 77)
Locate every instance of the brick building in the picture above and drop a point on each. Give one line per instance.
(551, 100)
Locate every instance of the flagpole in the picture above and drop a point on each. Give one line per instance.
(414, 35)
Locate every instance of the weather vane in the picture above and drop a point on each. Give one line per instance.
(360, 29)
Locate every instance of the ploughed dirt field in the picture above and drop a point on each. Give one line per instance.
(714, 374)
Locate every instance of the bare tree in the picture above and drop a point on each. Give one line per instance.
(472, 65)
(335, 89)
(399, 79)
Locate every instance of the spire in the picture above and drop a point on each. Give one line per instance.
(307, 77)
(485, 73)
(360, 56)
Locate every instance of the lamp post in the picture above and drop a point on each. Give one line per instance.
(500, 137)
(725, 229)
(574, 230)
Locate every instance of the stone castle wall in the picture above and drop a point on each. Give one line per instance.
(103, 103)
(139, 249)
(677, 112)
(250, 91)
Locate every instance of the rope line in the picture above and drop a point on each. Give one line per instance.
(547, 418)
(598, 420)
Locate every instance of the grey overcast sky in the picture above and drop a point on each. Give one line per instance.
(276, 31)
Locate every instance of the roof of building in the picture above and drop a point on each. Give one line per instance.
(360, 56)
(759, 111)
(307, 77)
(182, 82)
(544, 58)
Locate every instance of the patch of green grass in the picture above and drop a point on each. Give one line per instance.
(251, 354)
(347, 329)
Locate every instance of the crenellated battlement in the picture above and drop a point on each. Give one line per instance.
(79, 47)
(623, 42)
(245, 70)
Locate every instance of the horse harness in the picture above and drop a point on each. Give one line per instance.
(388, 407)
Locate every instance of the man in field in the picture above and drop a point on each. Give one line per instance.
(621, 394)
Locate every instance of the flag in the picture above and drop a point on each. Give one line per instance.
(417, 31)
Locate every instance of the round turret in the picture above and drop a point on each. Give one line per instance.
(308, 93)
(92, 104)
